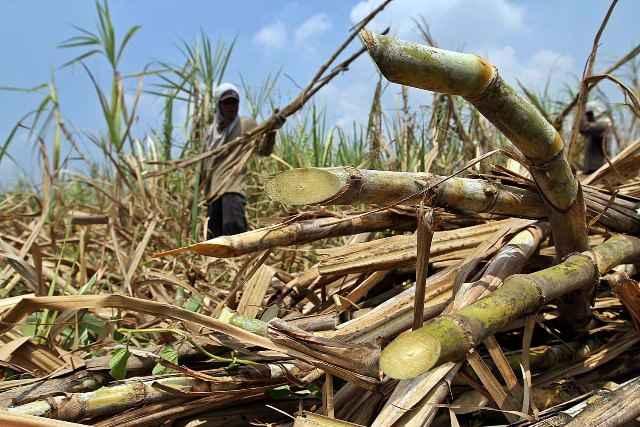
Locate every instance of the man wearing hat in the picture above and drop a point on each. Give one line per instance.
(226, 213)
(596, 131)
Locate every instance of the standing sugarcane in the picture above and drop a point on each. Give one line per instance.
(479, 83)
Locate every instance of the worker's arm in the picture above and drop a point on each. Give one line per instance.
(265, 146)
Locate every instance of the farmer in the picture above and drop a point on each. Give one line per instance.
(596, 131)
(226, 212)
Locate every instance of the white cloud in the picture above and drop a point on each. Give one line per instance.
(348, 98)
(272, 36)
(535, 70)
(315, 25)
(478, 26)
(450, 20)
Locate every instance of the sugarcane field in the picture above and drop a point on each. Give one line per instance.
(338, 213)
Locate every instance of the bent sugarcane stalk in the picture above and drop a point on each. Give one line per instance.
(522, 123)
(450, 337)
(348, 185)
(292, 234)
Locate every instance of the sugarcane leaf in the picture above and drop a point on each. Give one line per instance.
(86, 288)
(280, 393)
(94, 324)
(270, 312)
(118, 363)
(80, 58)
(126, 40)
(194, 303)
(85, 338)
(168, 353)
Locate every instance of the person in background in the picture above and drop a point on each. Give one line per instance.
(226, 213)
(597, 132)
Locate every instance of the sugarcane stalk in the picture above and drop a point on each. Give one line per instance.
(107, 400)
(522, 123)
(292, 234)
(450, 337)
(79, 381)
(136, 392)
(348, 185)
(615, 408)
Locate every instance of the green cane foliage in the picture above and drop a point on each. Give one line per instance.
(167, 128)
(193, 303)
(104, 42)
(168, 353)
(118, 363)
(101, 43)
(256, 99)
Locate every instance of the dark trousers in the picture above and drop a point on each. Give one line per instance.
(226, 215)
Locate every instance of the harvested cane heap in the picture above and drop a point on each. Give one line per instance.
(523, 308)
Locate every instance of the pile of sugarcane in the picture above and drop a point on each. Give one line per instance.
(468, 299)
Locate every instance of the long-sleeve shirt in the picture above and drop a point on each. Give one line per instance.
(237, 184)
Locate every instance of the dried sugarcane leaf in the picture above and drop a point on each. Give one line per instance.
(24, 420)
(254, 291)
(26, 270)
(355, 362)
(408, 394)
(309, 419)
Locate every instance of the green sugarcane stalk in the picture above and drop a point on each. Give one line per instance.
(450, 337)
(107, 400)
(479, 83)
(348, 185)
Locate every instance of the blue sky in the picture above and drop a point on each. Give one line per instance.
(526, 39)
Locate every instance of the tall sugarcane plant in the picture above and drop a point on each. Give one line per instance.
(104, 42)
